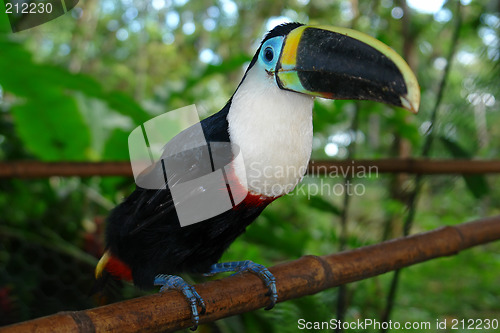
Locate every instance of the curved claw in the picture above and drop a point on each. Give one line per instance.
(176, 282)
(269, 281)
(241, 266)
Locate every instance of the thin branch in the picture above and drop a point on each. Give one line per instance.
(36, 169)
(241, 293)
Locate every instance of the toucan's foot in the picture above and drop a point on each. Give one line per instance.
(176, 282)
(250, 266)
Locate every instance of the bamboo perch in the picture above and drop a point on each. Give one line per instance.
(36, 169)
(169, 311)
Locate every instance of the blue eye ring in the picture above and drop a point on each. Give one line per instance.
(269, 54)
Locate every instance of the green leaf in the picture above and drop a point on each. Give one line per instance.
(124, 104)
(31, 79)
(4, 20)
(116, 148)
(476, 184)
(52, 127)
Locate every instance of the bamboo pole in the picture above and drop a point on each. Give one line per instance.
(36, 169)
(169, 311)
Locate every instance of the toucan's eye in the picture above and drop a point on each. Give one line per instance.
(269, 53)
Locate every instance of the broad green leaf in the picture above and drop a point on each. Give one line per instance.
(52, 127)
(31, 79)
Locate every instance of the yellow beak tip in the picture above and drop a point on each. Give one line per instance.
(410, 105)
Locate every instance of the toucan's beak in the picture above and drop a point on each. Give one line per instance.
(340, 63)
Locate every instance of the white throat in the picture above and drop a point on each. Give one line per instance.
(273, 130)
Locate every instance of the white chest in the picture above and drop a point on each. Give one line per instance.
(273, 130)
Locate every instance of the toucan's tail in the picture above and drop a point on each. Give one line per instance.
(101, 275)
(100, 284)
(109, 269)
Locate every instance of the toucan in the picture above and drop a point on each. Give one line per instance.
(268, 123)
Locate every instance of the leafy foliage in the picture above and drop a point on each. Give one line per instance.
(476, 184)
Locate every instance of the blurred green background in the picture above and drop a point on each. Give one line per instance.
(74, 88)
